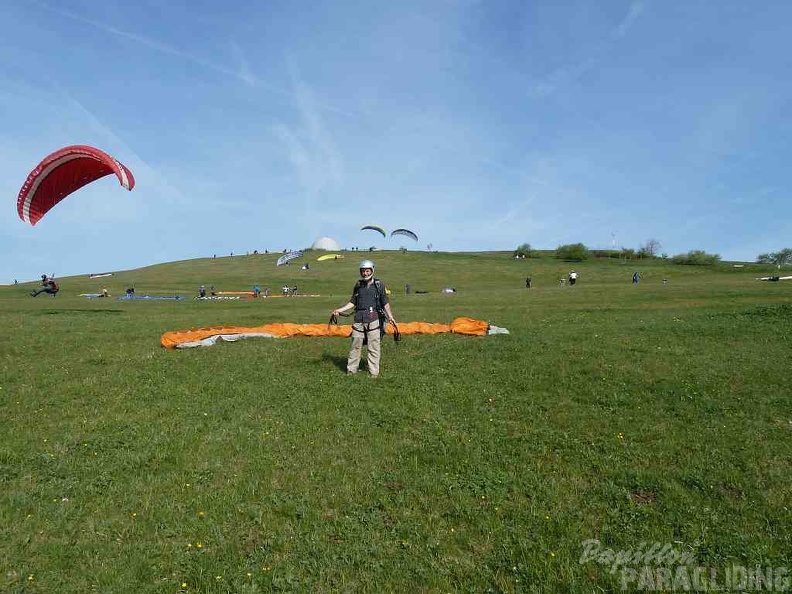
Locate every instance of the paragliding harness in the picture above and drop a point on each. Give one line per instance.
(382, 315)
(50, 286)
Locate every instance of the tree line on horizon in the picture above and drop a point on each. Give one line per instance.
(578, 252)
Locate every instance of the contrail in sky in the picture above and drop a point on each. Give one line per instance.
(156, 45)
(243, 74)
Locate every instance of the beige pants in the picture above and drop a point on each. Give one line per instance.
(360, 331)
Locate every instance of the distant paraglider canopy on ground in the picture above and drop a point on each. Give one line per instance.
(63, 172)
(286, 258)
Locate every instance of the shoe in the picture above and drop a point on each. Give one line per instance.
(374, 376)
(351, 372)
(32, 294)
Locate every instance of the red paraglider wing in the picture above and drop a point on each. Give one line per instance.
(63, 172)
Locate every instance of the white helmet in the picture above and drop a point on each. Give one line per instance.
(367, 264)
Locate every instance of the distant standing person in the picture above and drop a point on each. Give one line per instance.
(572, 277)
(636, 277)
(202, 291)
(369, 298)
(528, 282)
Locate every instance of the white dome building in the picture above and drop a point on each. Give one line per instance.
(326, 243)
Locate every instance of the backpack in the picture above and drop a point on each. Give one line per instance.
(54, 286)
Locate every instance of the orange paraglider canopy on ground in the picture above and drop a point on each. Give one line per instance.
(208, 336)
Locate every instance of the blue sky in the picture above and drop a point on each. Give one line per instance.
(479, 125)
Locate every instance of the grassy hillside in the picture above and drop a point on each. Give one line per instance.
(623, 413)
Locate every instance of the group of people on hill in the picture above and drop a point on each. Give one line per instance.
(256, 290)
(573, 277)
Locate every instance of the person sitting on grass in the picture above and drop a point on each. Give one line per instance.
(48, 286)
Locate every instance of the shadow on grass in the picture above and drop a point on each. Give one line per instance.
(340, 362)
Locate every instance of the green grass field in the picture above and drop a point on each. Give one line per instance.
(630, 414)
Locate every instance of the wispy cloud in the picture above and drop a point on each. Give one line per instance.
(636, 8)
(310, 149)
(564, 75)
(569, 73)
(96, 122)
(318, 132)
(243, 70)
(156, 183)
(515, 213)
